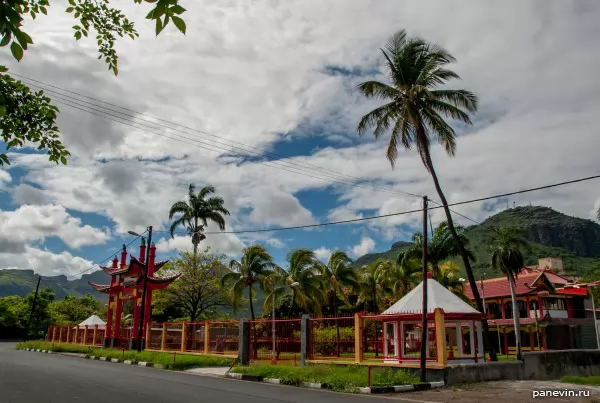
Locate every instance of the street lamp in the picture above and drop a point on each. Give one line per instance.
(293, 285)
(140, 347)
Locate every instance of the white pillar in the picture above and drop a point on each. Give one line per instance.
(401, 340)
(472, 334)
(479, 338)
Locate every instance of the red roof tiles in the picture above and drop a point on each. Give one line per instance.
(499, 287)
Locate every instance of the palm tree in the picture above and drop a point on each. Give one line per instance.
(449, 276)
(337, 275)
(507, 257)
(196, 212)
(374, 284)
(402, 276)
(252, 271)
(440, 247)
(415, 110)
(305, 269)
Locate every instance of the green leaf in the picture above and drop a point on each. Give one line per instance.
(72, 2)
(43, 10)
(69, 10)
(78, 35)
(6, 39)
(23, 39)
(16, 50)
(2, 111)
(150, 15)
(63, 159)
(179, 23)
(3, 69)
(159, 26)
(177, 9)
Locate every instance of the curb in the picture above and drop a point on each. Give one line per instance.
(403, 388)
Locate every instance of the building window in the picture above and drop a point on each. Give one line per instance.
(554, 304)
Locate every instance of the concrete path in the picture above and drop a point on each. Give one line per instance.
(218, 371)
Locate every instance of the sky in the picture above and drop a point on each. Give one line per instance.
(259, 99)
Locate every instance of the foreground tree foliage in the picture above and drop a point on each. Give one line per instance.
(197, 293)
(26, 117)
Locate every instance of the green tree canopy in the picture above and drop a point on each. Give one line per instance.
(197, 293)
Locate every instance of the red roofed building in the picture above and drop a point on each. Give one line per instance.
(553, 317)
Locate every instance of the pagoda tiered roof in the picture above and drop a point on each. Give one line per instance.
(107, 289)
(155, 282)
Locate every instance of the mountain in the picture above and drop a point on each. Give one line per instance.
(22, 282)
(549, 232)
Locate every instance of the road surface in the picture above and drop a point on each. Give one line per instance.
(27, 377)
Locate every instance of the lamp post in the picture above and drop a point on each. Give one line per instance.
(293, 285)
(140, 345)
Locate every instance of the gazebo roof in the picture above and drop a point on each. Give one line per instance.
(438, 296)
(92, 321)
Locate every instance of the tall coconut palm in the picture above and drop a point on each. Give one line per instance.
(414, 113)
(305, 269)
(440, 247)
(449, 276)
(374, 284)
(250, 272)
(195, 213)
(506, 245)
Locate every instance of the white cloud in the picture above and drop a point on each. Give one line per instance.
(35, 223)
(323, 253)
(365, 246)
(46, 263)
(228, 244)
(264, 75)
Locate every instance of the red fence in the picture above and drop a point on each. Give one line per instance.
(275, 340)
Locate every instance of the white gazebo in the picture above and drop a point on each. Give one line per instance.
(91, 322)
(454, 327)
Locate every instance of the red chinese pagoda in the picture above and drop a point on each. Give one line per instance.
(127, 283)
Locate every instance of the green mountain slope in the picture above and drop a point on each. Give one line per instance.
(550, 234)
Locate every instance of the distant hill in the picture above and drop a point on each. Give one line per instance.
(549, 232)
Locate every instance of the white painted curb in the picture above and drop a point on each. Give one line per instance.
(313, 385)
(234, 375)
(144, 364)
(103, 358)
(116, 360)
(272, 380)
(129, 362)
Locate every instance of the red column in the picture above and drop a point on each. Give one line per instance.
(119, 307)
(540, 308)
(544, 339)
(109, 320)
(503, 310)
(138, 298)
(528, 308)
(569, 306)
(148, 302)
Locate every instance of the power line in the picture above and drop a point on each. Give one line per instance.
(405, 212)
(339, 177)
(103, 261)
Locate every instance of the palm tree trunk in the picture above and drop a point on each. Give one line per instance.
(195, 238)
(254, 350)
(515, 309)
(337, 325)
(487, 340)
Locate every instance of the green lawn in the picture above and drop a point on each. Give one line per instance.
(337, 377)
(582, 380)
(177, 361)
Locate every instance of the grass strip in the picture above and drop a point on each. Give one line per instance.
(582, 380)
(337, 377)
(177, 361)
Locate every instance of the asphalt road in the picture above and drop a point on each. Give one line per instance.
(27, 377)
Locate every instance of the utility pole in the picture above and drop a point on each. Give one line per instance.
(424, 329)
(33, 306)
(140, 344)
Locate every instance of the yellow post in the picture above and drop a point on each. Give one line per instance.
(84, 340)
(183, 337)
(68, 334)
(206, 337)
(440, 335)
(75, 336)
(164, 337)
(358, 339)
(95, 333)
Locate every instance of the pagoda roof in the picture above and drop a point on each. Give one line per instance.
(107, 289)
(152, 280)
